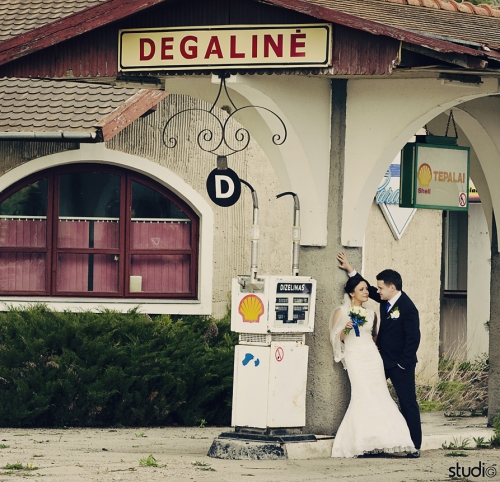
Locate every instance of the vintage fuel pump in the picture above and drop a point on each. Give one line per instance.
(271, 315)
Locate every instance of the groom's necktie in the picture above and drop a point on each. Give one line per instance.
(388, 308)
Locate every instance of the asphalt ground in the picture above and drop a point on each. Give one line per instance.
(179, 454)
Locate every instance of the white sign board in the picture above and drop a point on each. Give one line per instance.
(251, 46)
(442, 177)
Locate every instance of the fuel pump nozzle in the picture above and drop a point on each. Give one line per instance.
(295, 230)
(255, 236)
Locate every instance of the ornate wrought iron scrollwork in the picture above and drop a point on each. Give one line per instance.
(218, 140)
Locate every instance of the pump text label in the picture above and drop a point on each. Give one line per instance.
(294, 288)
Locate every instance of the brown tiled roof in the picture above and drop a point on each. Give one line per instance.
(453, 6)
(20, 16)
(457, 26)
(31, 105)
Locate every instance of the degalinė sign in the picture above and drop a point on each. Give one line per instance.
(250, 46)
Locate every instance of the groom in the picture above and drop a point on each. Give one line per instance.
(398, 339)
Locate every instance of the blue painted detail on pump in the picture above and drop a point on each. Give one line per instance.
(248, 358)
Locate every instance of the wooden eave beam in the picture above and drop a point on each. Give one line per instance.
(70, 26)
(375, 28)
(128, 112)
(465, 61)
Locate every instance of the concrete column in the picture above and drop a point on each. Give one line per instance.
(328, 389)
(494, 373)
(478, 282)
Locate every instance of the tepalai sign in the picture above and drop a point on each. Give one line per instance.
(251, 46)
(435, 174)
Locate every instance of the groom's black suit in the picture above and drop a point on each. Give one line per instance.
(398, 339)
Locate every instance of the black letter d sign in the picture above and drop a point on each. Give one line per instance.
(224, 187)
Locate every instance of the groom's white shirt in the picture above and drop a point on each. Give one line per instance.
(392, 302)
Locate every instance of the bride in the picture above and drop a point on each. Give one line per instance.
(373, 422)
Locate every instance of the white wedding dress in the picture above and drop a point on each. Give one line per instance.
(373, 422)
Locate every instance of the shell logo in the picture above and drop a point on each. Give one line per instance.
(424, 175)
(251, 309)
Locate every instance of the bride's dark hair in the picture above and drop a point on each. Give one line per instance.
(351, 284)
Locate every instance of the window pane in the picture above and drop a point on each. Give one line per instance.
(89, 194)
(88, 234)
(23, 233)
(23, 217)
(157, 223)
(456, 239)
(28, 201)
(87, 272)
(160, 274)
(148, 203)
(160, 235)
(22, 271)
(89, 210)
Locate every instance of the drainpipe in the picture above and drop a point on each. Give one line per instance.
(295, 231)
(49, 136)
(255, 234)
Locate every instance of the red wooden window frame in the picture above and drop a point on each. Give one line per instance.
(124, 251)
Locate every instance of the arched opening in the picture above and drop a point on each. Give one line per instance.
(445, 255)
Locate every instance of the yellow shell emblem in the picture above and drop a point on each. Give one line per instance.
(424, 175)
(251, 309)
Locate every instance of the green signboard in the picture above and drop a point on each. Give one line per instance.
(434, 174)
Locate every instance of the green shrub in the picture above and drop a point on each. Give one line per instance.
(430, 406)
(109, 368)
(459, 388)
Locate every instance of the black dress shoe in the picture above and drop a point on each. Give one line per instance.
(413, 455)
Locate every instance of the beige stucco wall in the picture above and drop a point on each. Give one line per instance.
(231, 225)
(417, 257)
(13, 154)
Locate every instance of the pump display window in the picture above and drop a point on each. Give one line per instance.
(93, 230)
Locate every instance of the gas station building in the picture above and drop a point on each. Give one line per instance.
(101, 205)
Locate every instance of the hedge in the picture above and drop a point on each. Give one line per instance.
(113, 369)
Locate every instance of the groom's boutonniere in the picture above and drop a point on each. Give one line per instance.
(394, 313)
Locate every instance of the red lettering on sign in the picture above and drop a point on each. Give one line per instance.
(233, 54)
(214, 48)
(189, 51)
(165, 46)
(254, 46)
(142, 49)
(443, 176)
(295, 44)
(276, 46)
